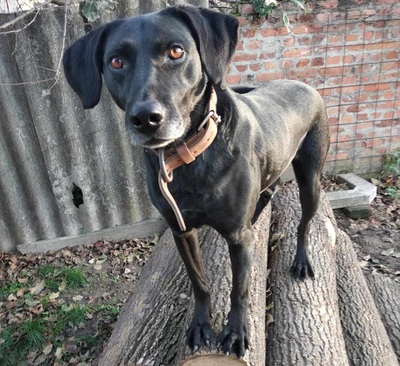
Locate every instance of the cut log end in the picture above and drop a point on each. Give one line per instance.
(212, 360)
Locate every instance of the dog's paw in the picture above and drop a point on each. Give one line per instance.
(233, 339)
(199, 334)
(301, 269)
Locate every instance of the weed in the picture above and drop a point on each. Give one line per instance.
(73, 277)
(76, 315)
(391, 165)
(52, 284)
(264, 7)
(9, 289)
(391, 192)
(33, 336)
(47, 270)
(91, 341)
(391, 173)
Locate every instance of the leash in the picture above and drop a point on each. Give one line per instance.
(185, 153)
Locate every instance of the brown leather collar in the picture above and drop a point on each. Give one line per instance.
(185, 153)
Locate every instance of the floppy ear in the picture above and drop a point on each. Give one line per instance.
(215, 35)
(83, 64)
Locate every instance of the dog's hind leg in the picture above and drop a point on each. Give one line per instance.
(199, 332)
(307, 165)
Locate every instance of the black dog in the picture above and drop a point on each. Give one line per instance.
(163, 69)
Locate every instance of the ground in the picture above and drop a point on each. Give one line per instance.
(59, 308)
(377, 238)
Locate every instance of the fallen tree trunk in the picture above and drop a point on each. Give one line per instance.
(386, 293)
(306, 328)
(367, 342)
(151, 329)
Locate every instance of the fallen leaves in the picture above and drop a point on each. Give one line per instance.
(75, 321)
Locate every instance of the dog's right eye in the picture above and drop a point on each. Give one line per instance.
(116, 63)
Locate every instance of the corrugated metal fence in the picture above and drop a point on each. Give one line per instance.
(48, 142)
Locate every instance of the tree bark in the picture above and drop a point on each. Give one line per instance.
(306, 328)
(151, 329)
(386, 292)
(367, 342)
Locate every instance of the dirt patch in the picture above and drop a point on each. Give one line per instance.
(376, 238)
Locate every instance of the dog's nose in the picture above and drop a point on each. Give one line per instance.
(146, 117)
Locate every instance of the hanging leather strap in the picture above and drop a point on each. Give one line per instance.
(185, 153)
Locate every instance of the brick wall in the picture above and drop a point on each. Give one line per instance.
(349, 51)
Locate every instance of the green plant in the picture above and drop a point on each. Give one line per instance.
(391, 165)
(73, 277)
(264, 7)
(33, 335)
(391, 192)
(46, 271)
(9, 289)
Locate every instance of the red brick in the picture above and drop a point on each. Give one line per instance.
(289, 42)
(269, 76)
(368, 36)
(351, 37)
(243, 21)
(246, 9)
(369, 12)
(303, 62)
(255, 67)
(392, 55)
(349, 59)
(296, 52)
(253, 45)
(249, 33)
(268, 32)
(305, 41)
(335, 39)
(330, 4)
(244, 57)
(233, 79)
(286, 64)
(318, 61)
(269, 65)
(353, 14)
(241, 68)
(333, 60)
(266, 55)
(301, 29)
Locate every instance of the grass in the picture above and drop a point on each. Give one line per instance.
(59, 308)
(391, 174)
(17, 340)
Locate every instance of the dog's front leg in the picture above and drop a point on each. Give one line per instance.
(233, 338)
(199, 332)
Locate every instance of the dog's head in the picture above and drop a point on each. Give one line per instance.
(155, 66)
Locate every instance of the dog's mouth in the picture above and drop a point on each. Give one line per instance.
(157, 143)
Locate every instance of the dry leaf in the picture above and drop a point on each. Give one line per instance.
(47, 349)
(54, 295)
(38, 288)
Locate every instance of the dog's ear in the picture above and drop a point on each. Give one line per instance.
(216, 37)
(83, 64)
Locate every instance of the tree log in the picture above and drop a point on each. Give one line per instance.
(306, 328)
(151, 329)
(386, 292)
(367, 342)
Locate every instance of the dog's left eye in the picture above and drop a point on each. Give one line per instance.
(116, 63)
(176, 52)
